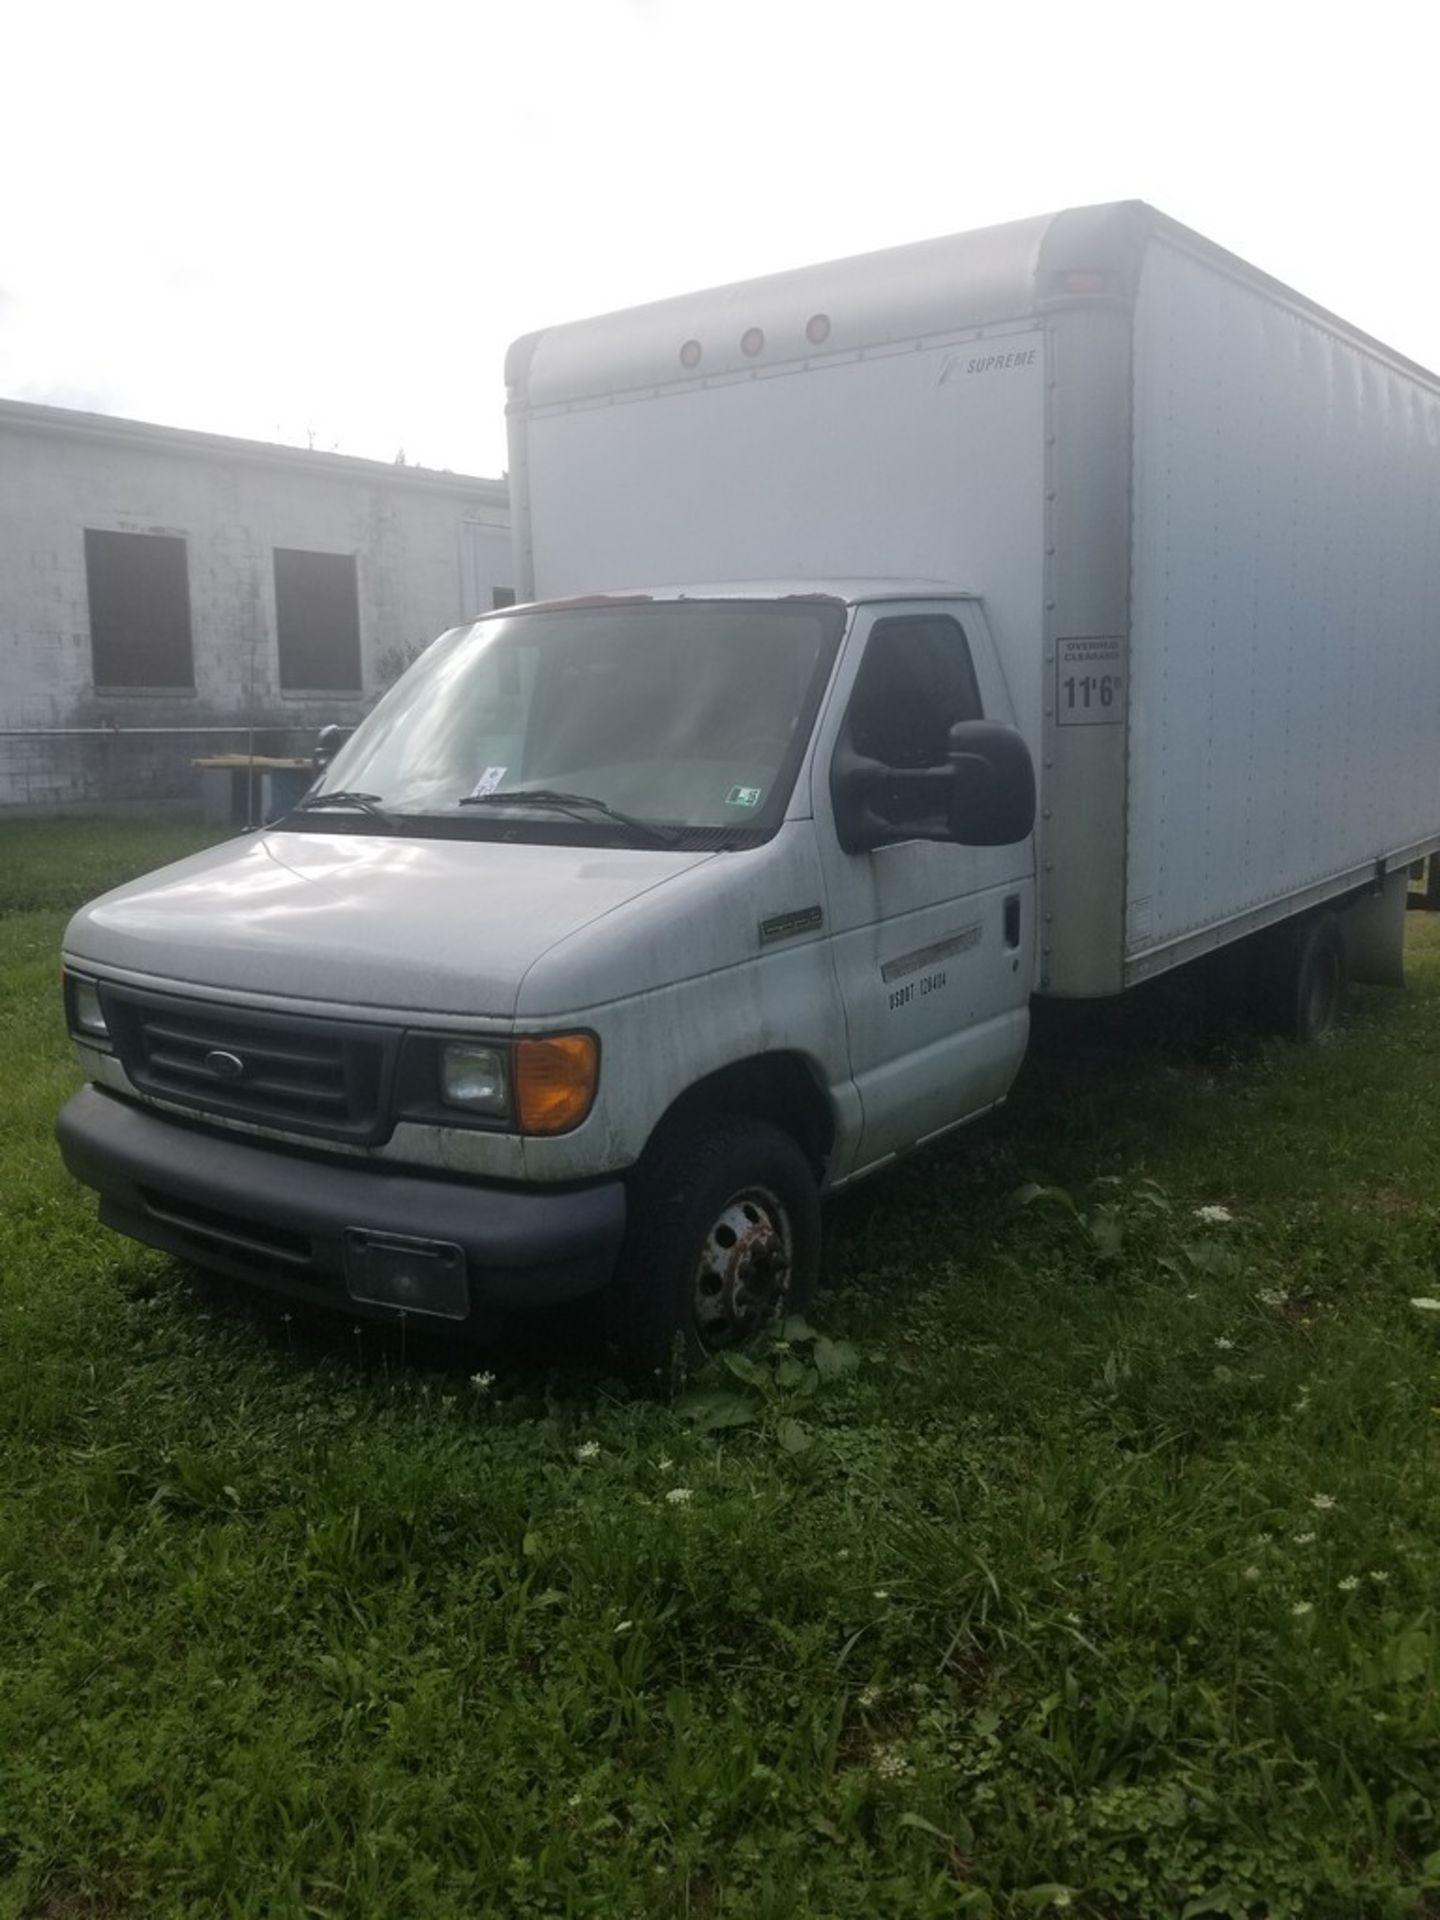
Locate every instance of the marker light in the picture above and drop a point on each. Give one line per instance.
(555, 1079)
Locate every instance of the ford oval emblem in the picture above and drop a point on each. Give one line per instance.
(225, 1066)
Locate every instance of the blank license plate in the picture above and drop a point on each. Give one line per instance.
(414, 1276)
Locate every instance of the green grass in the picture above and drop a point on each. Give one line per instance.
(1088, 1559)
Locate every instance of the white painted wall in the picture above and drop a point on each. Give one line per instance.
(429, 552)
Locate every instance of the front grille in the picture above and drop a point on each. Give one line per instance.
(330, 1078)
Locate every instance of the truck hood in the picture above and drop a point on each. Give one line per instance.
(413, 925)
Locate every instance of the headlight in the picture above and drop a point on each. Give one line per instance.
(474, 1078)
(86, 1014)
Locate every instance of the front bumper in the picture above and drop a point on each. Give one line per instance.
(280, 1219)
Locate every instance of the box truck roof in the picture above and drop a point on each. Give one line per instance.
(1083, 256)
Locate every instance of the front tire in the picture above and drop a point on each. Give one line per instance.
(724, 1242)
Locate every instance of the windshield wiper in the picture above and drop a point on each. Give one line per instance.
(358, 802)
(573, 803)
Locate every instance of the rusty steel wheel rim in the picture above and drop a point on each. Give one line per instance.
(743, 1274)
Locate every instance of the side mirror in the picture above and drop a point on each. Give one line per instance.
(984, 796)
(992, 794)
(328, 743)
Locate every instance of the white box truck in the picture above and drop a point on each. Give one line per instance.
(1030, 611)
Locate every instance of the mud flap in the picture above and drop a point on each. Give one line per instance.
(1374, 929)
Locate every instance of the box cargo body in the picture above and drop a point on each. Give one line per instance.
(1200, 511)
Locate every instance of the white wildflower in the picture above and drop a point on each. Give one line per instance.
(1349, 1583)
(1272, 1296)
(1302, 1539)
(891, 1765)
(1378, 1577)
(679, 1497)
(1225, 1346)
(882, 1593)
(1301, 1608)
(588, 1450)
(1263, 1539)
(1322, 1502)
(625, 1626)
(1074, 1619)
(664, 1463)
(1425, 1303)
(869, 1697)
(482, 1382)
(1214, 1216)
(1251, 1573)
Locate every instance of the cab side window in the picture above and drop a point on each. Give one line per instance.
(915, 683)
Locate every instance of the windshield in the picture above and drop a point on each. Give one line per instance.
(688, 715)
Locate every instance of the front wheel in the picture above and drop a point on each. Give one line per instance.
(724, 1242)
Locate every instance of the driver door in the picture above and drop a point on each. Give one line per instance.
(931, 942)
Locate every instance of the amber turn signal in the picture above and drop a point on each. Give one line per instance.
(555, 1080)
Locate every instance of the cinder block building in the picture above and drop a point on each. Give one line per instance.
(168, 595)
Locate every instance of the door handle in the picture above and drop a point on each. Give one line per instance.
(1012, 921)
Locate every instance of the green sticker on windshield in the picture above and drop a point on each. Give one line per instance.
(744, 796)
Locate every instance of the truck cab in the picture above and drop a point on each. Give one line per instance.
(622, 929)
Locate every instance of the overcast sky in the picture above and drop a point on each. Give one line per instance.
(315, 221)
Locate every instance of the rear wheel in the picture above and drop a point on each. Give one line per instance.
(1305, 978)
(725, 1242)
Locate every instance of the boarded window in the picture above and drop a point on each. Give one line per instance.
(317, 620)
(139, 586)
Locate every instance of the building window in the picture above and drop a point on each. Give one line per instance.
(317, 621)
(139, 585)
(502, 597)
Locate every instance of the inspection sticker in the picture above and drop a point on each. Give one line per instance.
(488, 782)
(744, 796)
